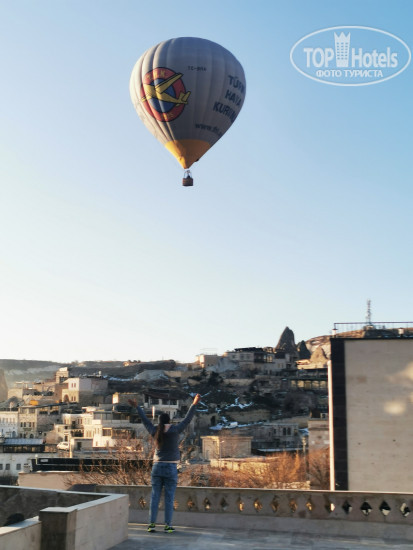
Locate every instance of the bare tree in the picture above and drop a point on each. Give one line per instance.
(132, 464)
(319, 468)
(285, 471)
(128, 463)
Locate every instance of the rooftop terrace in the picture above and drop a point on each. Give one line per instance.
(261, 519)
(211, 538)
(206, 518)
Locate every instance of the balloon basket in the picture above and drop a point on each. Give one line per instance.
(187, 180)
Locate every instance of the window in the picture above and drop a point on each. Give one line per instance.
(1, 466)
(7, 466)
(18, 467)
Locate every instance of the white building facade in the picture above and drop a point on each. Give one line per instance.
(9, 423)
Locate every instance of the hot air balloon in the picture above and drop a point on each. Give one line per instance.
(188, 92)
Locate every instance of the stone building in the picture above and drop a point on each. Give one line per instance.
(158, 401)
(318, 434)
(35, 421)
(207, 360)
(85, 391)
(225, 446)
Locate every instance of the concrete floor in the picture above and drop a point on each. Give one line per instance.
(192, 538)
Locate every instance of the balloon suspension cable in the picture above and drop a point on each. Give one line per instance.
(188, 180)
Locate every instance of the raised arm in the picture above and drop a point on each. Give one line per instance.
(145, 420)
(189, 415)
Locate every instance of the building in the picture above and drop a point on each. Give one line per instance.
(318, 434)
(94, 428)
(164, 401)
(371, 411)
(36, 420)
(9, 422)
(85, 391)
(70, 425)
(20, 390)
(279, 435)
(265, 360)
(16, 454)
(123, 398)
(62, 374)
(207, 360)
(315, 379)
(225, 446)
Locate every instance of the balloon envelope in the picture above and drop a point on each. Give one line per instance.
(188, 92)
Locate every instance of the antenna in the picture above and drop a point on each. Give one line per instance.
(368, 314)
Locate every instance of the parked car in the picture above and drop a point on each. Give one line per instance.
(63, 446)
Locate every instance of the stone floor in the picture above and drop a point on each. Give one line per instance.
(192, 538)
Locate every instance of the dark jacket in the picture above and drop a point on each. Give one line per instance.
(169, 452)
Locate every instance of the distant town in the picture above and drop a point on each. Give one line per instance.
(256, 403)
(262, 421)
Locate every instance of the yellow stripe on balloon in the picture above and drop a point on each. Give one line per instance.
(187, 151)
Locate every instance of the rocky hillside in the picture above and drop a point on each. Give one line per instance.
(15, 370)
(318, 345)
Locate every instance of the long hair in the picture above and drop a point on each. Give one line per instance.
(160, 430)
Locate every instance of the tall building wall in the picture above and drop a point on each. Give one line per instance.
(371, 414)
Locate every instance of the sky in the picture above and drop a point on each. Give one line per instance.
(299, 214)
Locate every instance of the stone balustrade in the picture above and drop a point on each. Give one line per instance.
(83, 521)
(334, 512)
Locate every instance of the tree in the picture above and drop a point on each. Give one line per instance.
(130, 464)
(319, 468)
(285, 471)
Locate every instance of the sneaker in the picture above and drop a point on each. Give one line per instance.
(151, 528)
(169, 529)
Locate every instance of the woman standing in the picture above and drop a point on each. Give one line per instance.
(165, 461)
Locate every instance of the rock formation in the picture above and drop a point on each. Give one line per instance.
(319, 358)
(287, 343)
(303, 351)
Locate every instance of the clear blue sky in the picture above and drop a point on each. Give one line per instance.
(299, 214)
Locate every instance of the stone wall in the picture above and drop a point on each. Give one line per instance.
(247, 415)
(25, 535)
(74, 521)
(29, 502)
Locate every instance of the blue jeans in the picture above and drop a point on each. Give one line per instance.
(163, 475)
